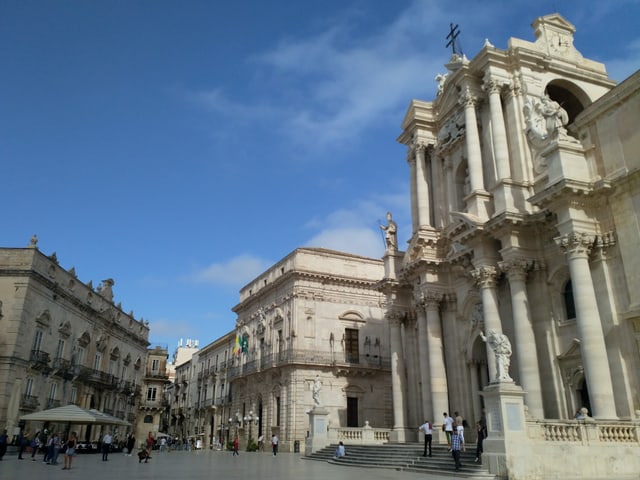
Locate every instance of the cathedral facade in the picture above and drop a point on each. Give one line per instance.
(524, 174)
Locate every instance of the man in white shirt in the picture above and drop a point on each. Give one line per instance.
(106, 446)
(448, 427)
(427, 429)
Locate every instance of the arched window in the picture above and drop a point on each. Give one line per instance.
(569, 305)
(148, 419)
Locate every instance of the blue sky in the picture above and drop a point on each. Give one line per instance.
(183, 147)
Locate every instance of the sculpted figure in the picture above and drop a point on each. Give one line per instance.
(315, 391)
(390, 233)
(501, 346)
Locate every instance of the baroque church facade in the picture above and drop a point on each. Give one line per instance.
(524, 175)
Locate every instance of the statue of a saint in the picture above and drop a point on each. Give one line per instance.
(390, 233)
(315, 391)
(501, 346)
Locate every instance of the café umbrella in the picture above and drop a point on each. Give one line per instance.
(72, 414)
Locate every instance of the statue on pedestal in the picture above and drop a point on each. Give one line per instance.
(501, 347)
(315, 391)
(390, 233)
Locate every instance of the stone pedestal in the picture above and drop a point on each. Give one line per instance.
(506, 428)
(318, 426)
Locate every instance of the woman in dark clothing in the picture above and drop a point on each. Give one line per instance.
(482, 434)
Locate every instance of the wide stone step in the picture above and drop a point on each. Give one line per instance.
(406, 457)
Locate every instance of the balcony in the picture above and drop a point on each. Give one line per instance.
(157, 374)
(40, 360)
(351, 362)
(51, 403)
(62, 368)
(29, 402)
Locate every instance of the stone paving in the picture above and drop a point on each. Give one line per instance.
(196, 465)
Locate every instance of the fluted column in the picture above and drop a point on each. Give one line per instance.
(472, 141)
(592, 344)
(437, 371)
(438, 186)
(529, 370)
(422, 186)
(397, 370)
(486, 277)
(425, 364)
(411, 158)
(452, 201)
(412, 364)
(499, 133)
(475, 390)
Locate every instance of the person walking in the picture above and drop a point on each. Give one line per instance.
(457, 445)
(447, 426)
(427, 429)
(131, 443)
(23, 441)
(482, 434)
(70, 451)
(236, 446)
(53, 460)
(3, 443)
(36, 442)
(106, 446)
(274, 444)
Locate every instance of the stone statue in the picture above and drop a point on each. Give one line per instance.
(390, 233)
(501, 346)
(315, 391)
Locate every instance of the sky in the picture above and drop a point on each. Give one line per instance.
(183, 147)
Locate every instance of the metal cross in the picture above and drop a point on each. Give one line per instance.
(454, 31)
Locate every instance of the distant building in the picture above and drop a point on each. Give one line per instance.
(64, 341)
(154, 406)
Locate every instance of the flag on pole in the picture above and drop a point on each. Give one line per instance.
(245, 343)
(236, 347)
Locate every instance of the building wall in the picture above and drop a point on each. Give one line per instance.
(64, 341)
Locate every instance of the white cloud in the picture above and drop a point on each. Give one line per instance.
(235, 272)
(358, 241)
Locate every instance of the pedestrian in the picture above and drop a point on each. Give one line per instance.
(457, 445)
(482, 434)
(340, 451)
(427, 429)
(70, 451)
(274, 444)
(106, 446)
(3, 443)
(131, 443)
(236, 446)
(458, 419)
(35, 445)
(150, 443)
(56, 449)
(47, 447)
(447, 427)
(23, 440)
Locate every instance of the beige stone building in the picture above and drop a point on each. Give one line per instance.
(310, 325)
(63, 341)
(524, 174)
(153, 406)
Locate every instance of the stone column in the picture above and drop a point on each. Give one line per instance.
(397, 376)
(592, 345)
(424, 362)
(413, 366)
(475, 391)
(499, 133)
(411, 158)
(516, 270)
(486, 276)
(472, 142)
(438, 186)
(437, 371)
(452, 200)
(422, 186)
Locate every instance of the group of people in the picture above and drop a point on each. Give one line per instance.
(453, 427)
(49, 444)
(274, 444)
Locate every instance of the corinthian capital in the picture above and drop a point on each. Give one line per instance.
(575, 243)
(485, 275)
(516, 267)
(467, 99)
(492, 85)
(430, 298)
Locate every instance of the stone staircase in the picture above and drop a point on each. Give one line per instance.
(406, 457)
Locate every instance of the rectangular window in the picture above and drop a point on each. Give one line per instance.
(79, 356)
(151, 394)
(60, 349)
(97, 361)
(74, 395)
(351, 351)
(52, 392)
(29, 387)
(37, 340)
(155, 365)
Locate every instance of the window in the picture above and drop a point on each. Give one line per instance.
(97, 361)
(277, 411)
(60, 349)
(151, 394)
(148, 419)
(155, 365)
(29, 387)
(74, 395)
(79, 356)
(37, 340)
(52, 392)
(569, 304)
(351, 351)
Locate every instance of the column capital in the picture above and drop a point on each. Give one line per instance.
(492, 86)
(485, 275)
(395, 316)
(516, 268)
(514, 89)
(575, 243)
(467, 99)
(430, 299)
